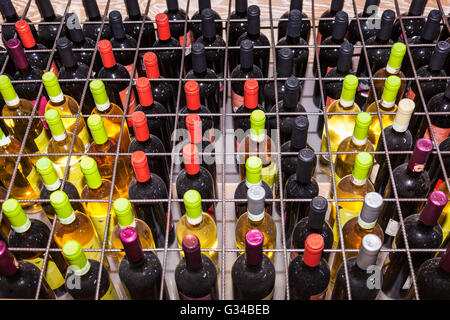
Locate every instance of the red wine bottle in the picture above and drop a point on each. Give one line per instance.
(91, 30)
(367, 25)
(285, 69)
(306, 24)
(215, 58)
(433, 281)
(161, 126)
(289, 103)
(196, 27)
(411, 181)
(326, 26)
(80, 41)
(246, 69)
(10, 16)
(19, 279)
(76, 71)
(253, 273)
(377, 56)
(293, 40)
(313, 223)
(196, 177)
(162, 91)
(133, 29)
(148, 186)
(175, 13)
(237, 28)
(309, 274)
(413, 26)
(169, 60)
(140, 272)
(150, 144)
(195, 274)
(48, 31)
(260, 55)
(209, 90)
(360, 272)
(422, 231)
(300, 186)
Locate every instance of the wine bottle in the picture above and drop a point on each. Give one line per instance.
(133, 29)
(178, 16)
(148, 143)
(367, 28)
(140, 272)
(376, 56)
(258, 143)
(198, 223)
(356, 228)
(309, 274)
(73, 225)
(36, 59)
(48, 31)
(125, 41)
(80, 41)
(126, 221)
(290, 103)
(292, 40)
(325, 27)
(306, 24)
(358, 142)
(393, 68)
(297, 143)
(196, 27)
(419, 124)
(82, 275)
(19, 279)
(76, 72)
(103, 144)
(59, 148)
(398, 138)
(252, 178)
(67, 106)
(260, 55)
(195, 274)
(359, 270)
(413, 26)
(37, 138)
(314, 222)
(162, 91)
(422, 231)
(354, 186)
(52, 183)
(92, 29)
(26, 184)
(285, 58)
(169, 60)
(340, 125)
(10, 16)
(148, 186)
(33, 233)
(432, 278)
(209, 90)
(215, 58)
(237, 28)
(105, 107)
(246, 69)
(253, 274)
(411, 181)
(256, 218)
(300, 186)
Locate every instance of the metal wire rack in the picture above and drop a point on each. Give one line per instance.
(224, 149)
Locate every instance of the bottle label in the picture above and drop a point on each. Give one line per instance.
(319, 39)
(85, 138)
(408, 283)
(236, 100)
(100, 224)
(320, 296)
(418, 167)
(41, 141)
(392, 228)
(270, 173)
(110, 294)
(329, 100)
(346, 215)
(440, 133)
(189, 41)
(130, 70)
(41, 110)
(75, 174)
(410, 94)
(170, 222)
(269, 296)
(34, 178)
(132, 104)
(53, 276)
(54, 68)
(212, 212)
(183, 297)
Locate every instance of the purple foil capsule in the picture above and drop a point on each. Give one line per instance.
(254, 240)
(17, 53)
(445, 260)
(433, 209)
(192, 253)
(420, 155)
(8, 263)
(131, 244)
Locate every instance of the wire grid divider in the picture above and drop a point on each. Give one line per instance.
(224, 115)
